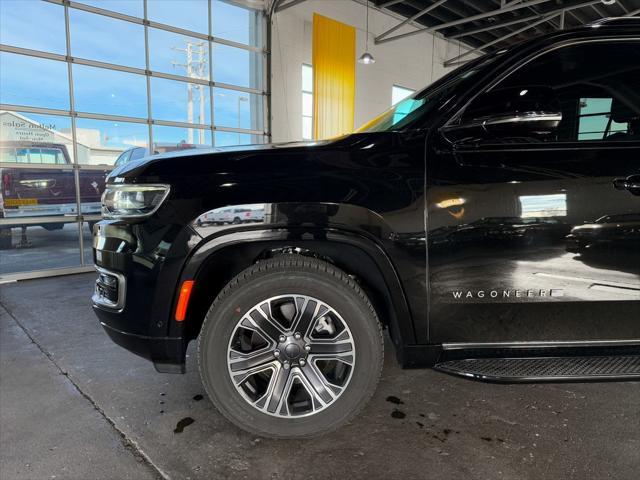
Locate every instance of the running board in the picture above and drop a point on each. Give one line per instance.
(545, 369)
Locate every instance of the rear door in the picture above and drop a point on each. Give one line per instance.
(503, 215)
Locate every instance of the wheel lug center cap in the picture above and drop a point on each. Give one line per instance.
(292, 349)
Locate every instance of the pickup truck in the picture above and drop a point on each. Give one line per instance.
(40, 188)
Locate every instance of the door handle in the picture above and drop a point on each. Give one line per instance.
(631, 183)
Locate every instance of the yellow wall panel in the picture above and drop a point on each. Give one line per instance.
(334, 77)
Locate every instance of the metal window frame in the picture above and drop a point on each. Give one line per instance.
(303, 91)
(68, 5)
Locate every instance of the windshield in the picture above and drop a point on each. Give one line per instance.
(421, 102)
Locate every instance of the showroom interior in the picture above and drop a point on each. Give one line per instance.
(89, 85)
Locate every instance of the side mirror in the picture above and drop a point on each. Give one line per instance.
(522, 113)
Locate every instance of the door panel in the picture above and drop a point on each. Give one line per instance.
(503, 262)
(538, 238)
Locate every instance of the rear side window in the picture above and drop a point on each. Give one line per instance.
(47, 156)
(597, 85)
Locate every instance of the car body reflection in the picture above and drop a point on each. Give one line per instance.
(609, 231)
(233, 215)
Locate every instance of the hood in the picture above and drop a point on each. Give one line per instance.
(216, 152)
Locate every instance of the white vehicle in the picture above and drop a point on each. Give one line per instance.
(233, 215)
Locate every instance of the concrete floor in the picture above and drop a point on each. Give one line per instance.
(74, 405)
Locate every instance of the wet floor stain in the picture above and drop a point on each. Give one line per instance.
(182, 424)
(398, 413)
(491, 439)
(421, 425)
(395, 400)
(198, 397)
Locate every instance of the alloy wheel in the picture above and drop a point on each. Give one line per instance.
(291, 356)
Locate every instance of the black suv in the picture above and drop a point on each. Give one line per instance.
(364, 233)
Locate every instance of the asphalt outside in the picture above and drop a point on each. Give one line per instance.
(75, 406)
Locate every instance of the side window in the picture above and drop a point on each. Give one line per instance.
(137, 153)
(123, 158)
(597, 85)
(51, 156)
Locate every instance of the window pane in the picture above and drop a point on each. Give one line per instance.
(237, 66)
(97, 90)
(307, 104)
(307, 78)
(51, 245)
(307, 128)
(33, 81)
(188, 14)
(180, 101)
(228, 139)
(101, 142)
(232, 22)
(23, 134)
(400, 93)
(42, 29)
(168, 52)
(595, 122)
(135, 8)
(237, 109)
(592, 82)
(96, 37)
(169, 139)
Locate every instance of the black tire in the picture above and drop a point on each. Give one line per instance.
(286, 275)
(237, 221)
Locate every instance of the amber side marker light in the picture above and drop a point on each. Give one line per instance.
(183, 300)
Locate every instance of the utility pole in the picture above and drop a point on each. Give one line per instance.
(196, 67)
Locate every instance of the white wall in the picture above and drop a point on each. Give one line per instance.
(411, 62)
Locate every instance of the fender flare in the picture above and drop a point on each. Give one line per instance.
(400, 321)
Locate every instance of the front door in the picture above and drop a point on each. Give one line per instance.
(540, 241)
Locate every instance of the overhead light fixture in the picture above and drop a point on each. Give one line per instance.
(367, 58)
(608, 2)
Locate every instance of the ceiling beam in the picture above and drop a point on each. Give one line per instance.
(480, 16)
(448, 63)
(283, 6)
(568, 9)
(389, 3)
(422, 12)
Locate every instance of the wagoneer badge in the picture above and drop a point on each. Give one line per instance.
(462, 294)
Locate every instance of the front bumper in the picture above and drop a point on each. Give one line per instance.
(136, 287)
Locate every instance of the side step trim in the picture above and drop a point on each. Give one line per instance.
(545, 369)
(548, 344)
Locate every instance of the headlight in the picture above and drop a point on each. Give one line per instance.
(132, 201)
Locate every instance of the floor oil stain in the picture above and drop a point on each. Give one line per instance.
(398, 414)
(182, 424)
(395, 400)
(198, 397)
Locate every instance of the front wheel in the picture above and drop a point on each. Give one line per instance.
(292, 347)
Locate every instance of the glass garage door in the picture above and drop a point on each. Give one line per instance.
(97, 83)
